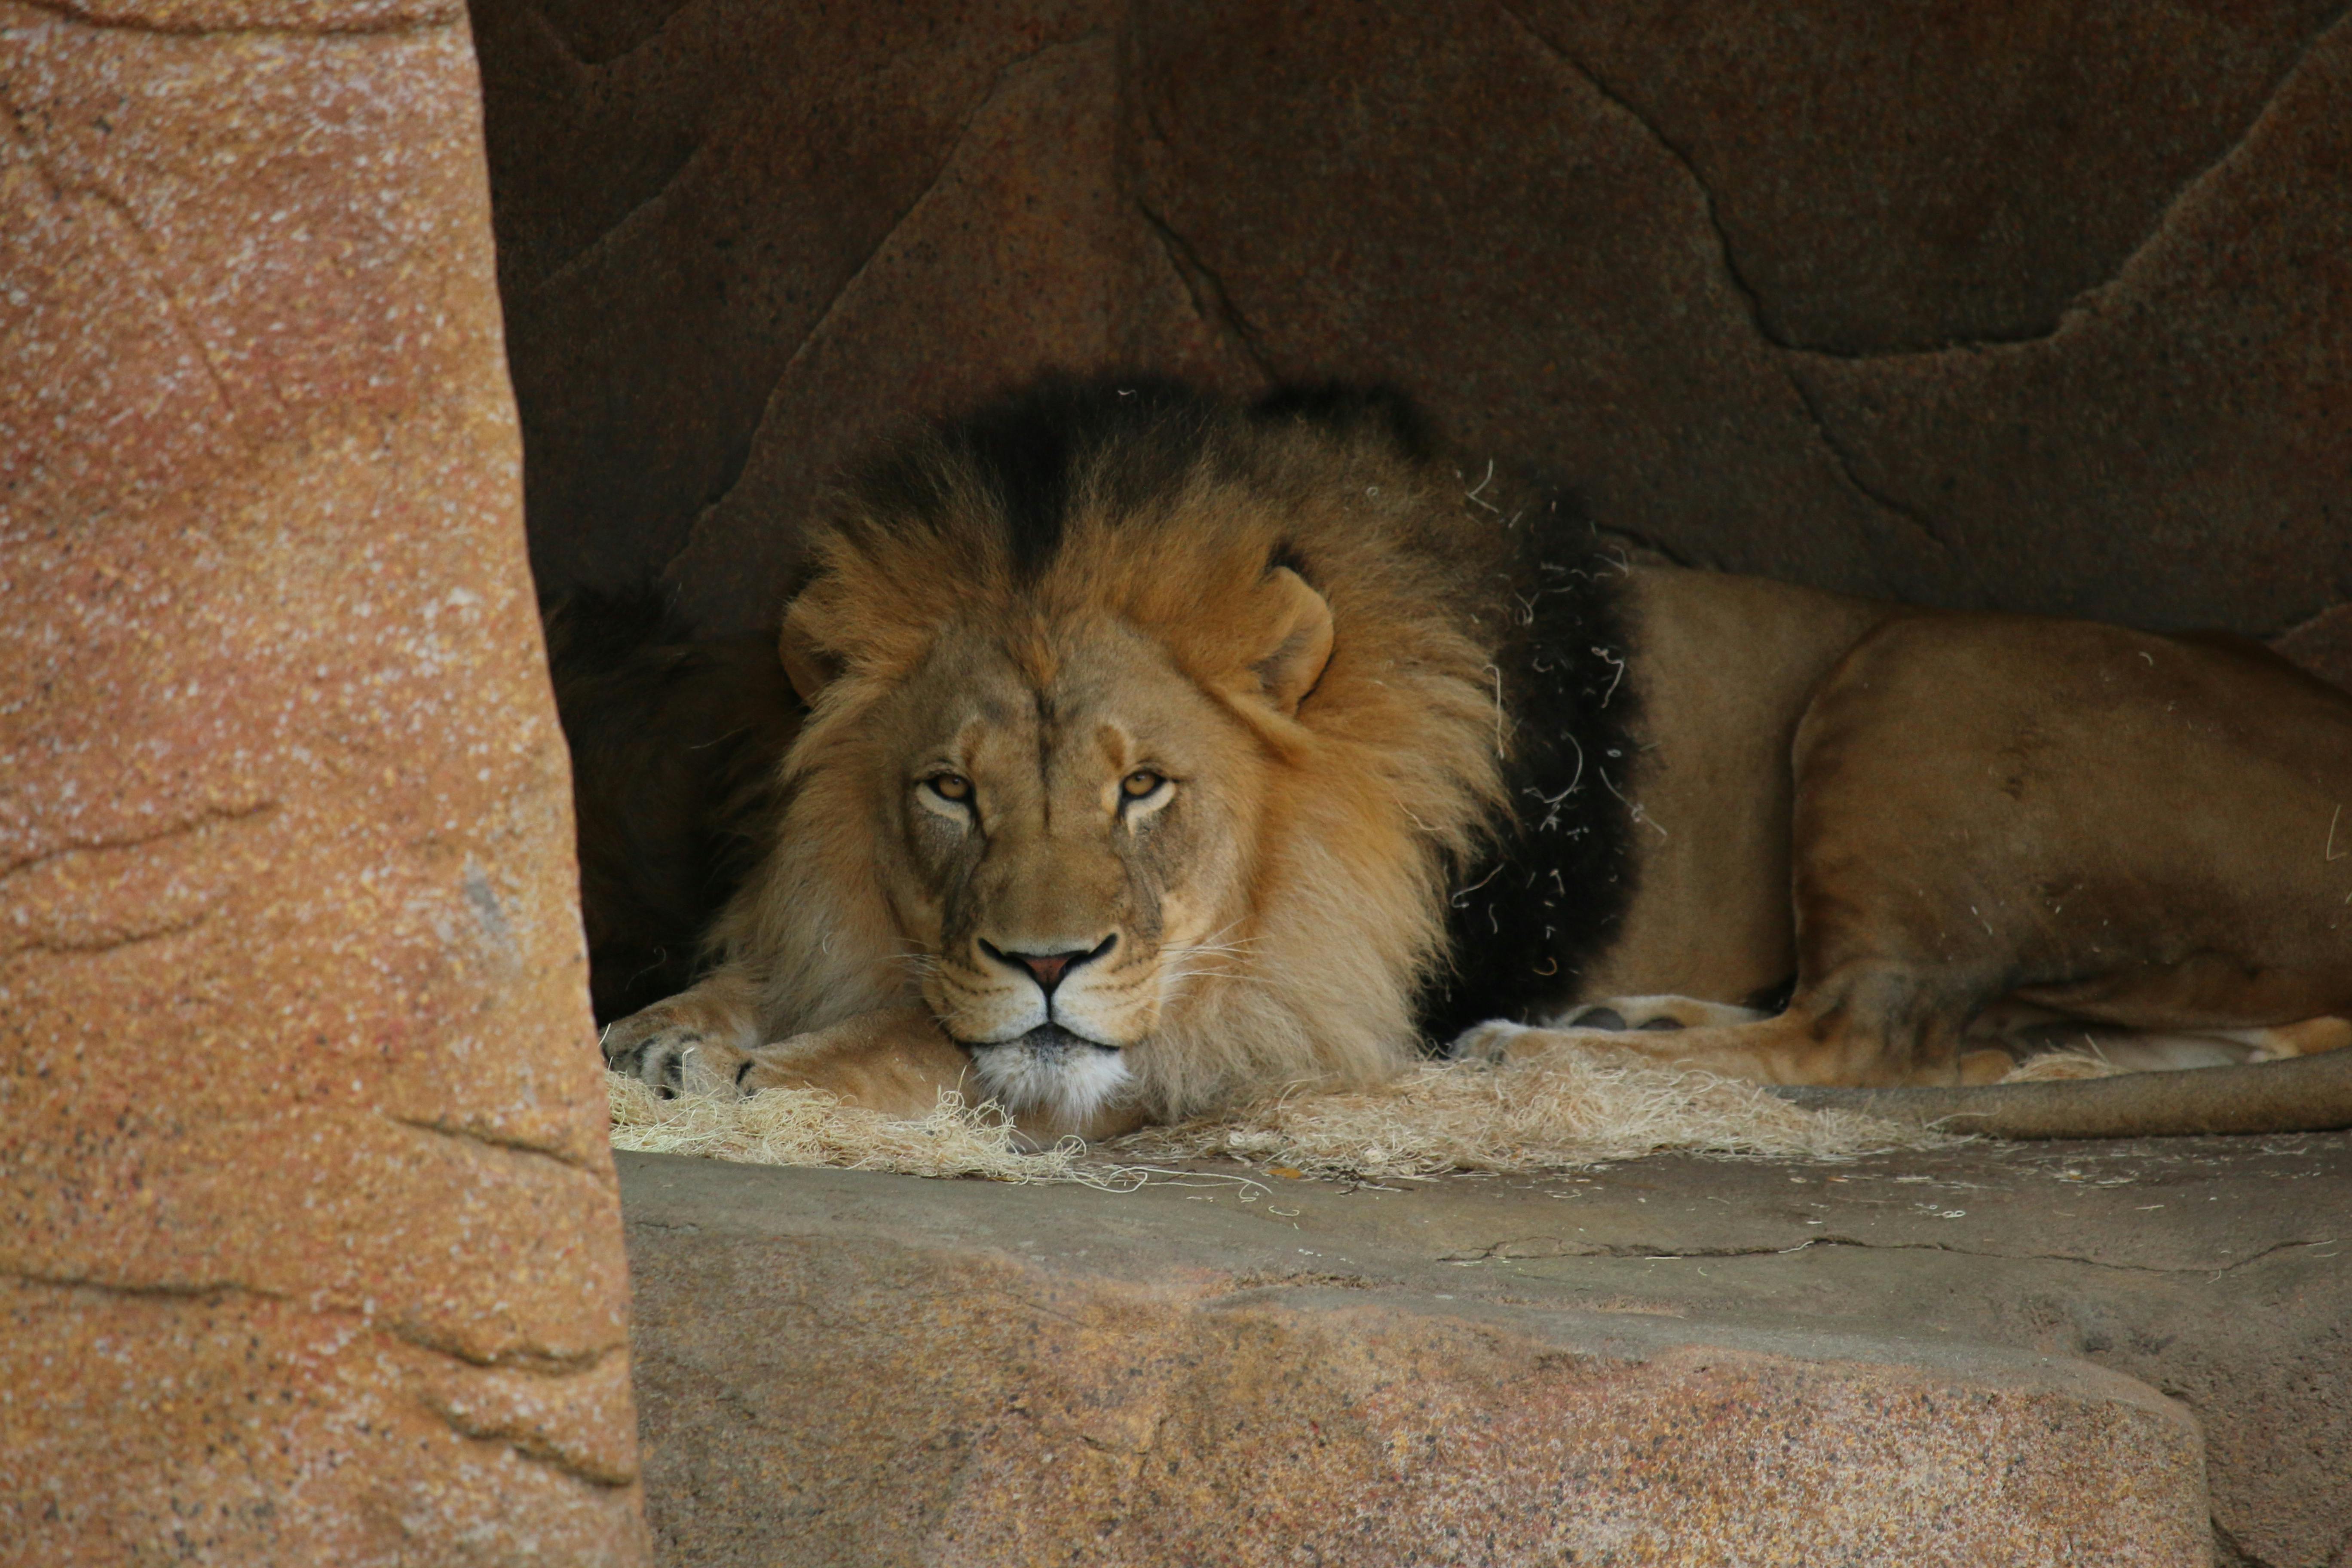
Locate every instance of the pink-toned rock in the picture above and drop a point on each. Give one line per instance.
(878, 1370)
(308, 1227)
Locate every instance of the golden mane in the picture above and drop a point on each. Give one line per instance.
(1167, 517)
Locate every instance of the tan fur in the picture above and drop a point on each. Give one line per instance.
(1723, 669)
(1331, 754)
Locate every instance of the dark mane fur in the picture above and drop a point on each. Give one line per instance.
(1028, 450)
(674, 749)
(1525, 920)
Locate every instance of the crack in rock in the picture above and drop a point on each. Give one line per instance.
(1212, 301)
(394, 20)
(1496, 1253)
(2075, 309)
(1847, 467)
(175, 1291)
(534, 1363)
(2080, 307)
(1758, 318)
(60, 947)
(1673, 149)
(725, 489)
(193, 825)
(529, 1363)
(555, 275)
(145, 266)
(491, 1139)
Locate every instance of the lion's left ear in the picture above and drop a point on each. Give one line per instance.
(1301, 645)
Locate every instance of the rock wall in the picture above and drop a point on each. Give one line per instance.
(2007, 304)
(309, 1247)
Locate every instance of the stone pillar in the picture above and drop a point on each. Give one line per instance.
(308, 1240)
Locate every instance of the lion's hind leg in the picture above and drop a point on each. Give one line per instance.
(2047, 1043)
(2309, 1037)
(1845, 1044)
(1773, 1051)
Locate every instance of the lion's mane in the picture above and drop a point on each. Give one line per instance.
(1145, 504)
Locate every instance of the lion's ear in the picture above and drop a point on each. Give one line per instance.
(807, 666)
(1301, 645)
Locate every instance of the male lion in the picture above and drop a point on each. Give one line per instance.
(1160, 752)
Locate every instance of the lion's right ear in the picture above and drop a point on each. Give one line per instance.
(807, 665)
(1302, 644)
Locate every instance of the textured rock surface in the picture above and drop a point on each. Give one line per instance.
(1881, 300)
(2322, 643)
(308, 1238)
(2013, 304)
(1678, 1361)
(738, 242)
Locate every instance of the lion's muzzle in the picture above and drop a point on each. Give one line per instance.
(1005, 991)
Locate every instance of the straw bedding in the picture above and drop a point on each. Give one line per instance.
(1561, 1111)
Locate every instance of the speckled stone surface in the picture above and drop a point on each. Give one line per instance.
(308, 1239)
(2018, 304)
(2030, 1355)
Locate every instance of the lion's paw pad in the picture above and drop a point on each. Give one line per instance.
(1619, 1014)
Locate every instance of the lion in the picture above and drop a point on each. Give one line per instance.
(1160, 753)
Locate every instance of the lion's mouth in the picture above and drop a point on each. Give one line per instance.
(1051, 1069)
(1054, 1037)
(1048, 1037)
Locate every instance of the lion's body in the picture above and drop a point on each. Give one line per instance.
(2115, 827)
(1144, 736)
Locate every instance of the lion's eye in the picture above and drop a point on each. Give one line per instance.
(950, 786)
(1139, 783)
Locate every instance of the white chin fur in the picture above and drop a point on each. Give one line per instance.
(1067, 1079)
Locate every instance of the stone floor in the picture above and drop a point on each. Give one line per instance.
(2008, 1353)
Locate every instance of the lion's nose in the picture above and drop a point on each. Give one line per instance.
(1048, 968)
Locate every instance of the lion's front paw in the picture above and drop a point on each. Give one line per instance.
(1488, 1043)
(1499, 1042)
(673, 1057)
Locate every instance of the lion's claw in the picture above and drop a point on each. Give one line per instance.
(673, 1059)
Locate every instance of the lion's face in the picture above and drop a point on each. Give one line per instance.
(1074, 829)
(1138, 739)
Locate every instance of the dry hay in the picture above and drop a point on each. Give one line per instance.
(810, 1127)
(2055, 1065)
(1560, 1111)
